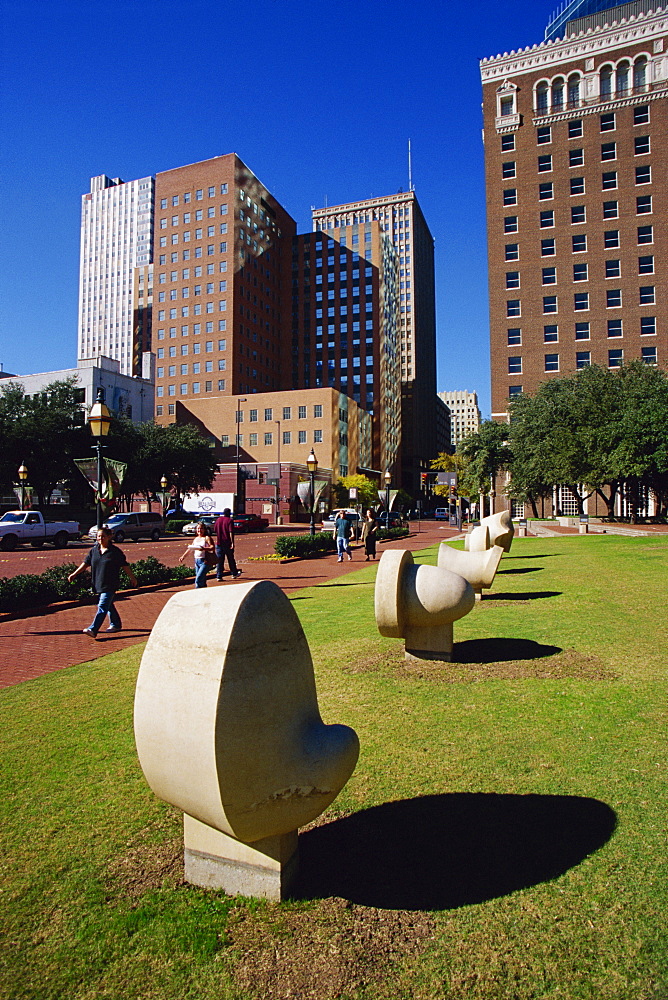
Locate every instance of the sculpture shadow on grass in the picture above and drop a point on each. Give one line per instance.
(500, 650)
(517, 571)
(529, 595)
(440, 852)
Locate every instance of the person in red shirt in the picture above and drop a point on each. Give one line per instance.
(224, 531)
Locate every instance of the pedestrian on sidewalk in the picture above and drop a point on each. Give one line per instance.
(369, 529)
(204, 550)
(105, 561)
(224, 531)
(341, 532)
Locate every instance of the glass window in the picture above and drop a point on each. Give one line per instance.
(641, 145)
(582, 359)
(612, 269)
(611, 238)
(613, 298)
(608, 122)
(515, 365)
(647, 325)
(579, 243)
(615, 358)
(543, 135)
(514, 390)
(547, 219)
(514, 337)
(609, 151)
(287, 413)
(644, 174)
(302, 412)
(580, 272)
(577, 185)
(508, 169)
(510, 196)
(512, 251)
(512, 279)
(268, 413)
(317, 437)
(643, 204)
(641, 115)
(549, 275)
(546, 191)
(574, 128)
(581, 301)
(544, 163)
(507, 142)
(547, 248)
(582, 331)
(576, 157)
(646, 295)
(610, 210)
(301, 437)
(510, 224)
(551, 362)
(513, 307)
(609, 180)
(550, 333)
(549, 303)
(578, 214)
(615, 328)
(268, 438)
(646, 265)
(317, 410)
(648, 355)
(645, 234)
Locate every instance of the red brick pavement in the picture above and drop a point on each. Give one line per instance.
(51, 638)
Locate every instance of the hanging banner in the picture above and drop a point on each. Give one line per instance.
(382, 494)
(111, 481)
(26, 498)
(304, 492)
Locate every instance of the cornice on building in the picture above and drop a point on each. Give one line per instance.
(642, 27)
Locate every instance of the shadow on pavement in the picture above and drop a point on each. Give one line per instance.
(439, 852)
(500, 650)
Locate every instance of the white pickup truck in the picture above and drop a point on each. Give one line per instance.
(18, 526)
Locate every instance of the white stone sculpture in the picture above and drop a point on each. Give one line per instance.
(419, 604)
(228, 729)
(497, 529)
(479, 568)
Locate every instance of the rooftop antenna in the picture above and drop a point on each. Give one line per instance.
(410, 168)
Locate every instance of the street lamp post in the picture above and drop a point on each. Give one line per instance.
(238, 420)
(23, 476)
(99, 421)
(312, 466)
(163, 494)
(388, 479)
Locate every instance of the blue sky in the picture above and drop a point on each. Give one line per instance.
(319, 99)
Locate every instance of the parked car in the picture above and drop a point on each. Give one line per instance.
(135, 526)
(244, 523)
(441, 513)
(18, 526)
(395, 519)
(351, 515)
(208, 521)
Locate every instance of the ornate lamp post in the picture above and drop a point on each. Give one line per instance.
(163, 494)
(388, 479)
(23, 476)
(312, 466)
(99, 421)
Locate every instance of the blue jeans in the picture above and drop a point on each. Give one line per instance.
(342, 545)
(105, 606)
(200, 572)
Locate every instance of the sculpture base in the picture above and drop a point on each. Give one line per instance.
(266, 868)
(429, 643)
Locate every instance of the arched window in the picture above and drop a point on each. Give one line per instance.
(558, 94)
(573, 91)
(541, 98)
(623, 78)
(640, 73)
(606, 82)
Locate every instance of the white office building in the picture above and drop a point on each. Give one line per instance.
(464, 414)
(116, 237)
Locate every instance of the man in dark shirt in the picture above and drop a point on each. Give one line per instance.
(105, 561)
(224, 529)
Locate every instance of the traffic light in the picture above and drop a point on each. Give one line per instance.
(424, 480)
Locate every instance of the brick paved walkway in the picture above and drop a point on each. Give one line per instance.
(51, 638)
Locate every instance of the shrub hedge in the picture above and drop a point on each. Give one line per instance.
(176, 525)
(383, 534)
(305, 545)
(30, 590)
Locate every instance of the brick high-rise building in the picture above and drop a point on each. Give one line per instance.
(576, 170)
(116, 237)
(400, 218)
(221, 315)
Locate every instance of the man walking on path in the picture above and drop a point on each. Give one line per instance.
(105, 561)
(224, 529)
(341, 532)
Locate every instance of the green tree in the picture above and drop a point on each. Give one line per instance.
(445, 462)
(485, 454)
(367, 491)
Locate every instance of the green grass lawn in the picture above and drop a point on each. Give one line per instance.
(504, 835)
